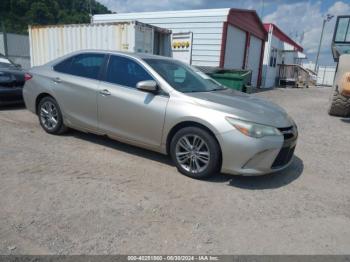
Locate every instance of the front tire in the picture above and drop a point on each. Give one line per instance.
(195, 152)
(50, 116)
(339, 104)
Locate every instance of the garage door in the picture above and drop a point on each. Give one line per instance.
(254, 58)
(235, 45)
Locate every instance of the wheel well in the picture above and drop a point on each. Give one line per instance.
(39, 97)
(188, 124)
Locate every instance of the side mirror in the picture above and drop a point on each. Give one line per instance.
(148, 86)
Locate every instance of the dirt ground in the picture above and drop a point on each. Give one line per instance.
(85, 194)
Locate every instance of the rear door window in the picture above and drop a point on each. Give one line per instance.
(64, 66)
(125, 71)
(84, 65)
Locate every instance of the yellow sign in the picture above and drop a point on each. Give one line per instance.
(182, 44)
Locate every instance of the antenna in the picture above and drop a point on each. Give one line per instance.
(302, 37)
(262, 8)
(90, 12)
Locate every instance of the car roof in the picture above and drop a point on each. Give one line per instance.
(140, 56)
(136, 55)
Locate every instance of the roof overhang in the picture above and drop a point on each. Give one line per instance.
(276, 31)
(247, 20)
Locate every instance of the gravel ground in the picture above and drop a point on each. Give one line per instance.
(85, 194)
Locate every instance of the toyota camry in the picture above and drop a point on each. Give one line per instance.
(163, 105)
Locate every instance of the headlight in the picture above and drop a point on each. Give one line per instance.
(253, 129)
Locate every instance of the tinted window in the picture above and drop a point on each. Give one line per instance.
(64, 66)
(126, 72)
(84, 65)
(6, 65)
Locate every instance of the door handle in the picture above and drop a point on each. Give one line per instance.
(57, 80)
(105, 92)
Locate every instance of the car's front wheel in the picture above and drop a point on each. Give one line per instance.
(50, 116)
(339, 104)
(195, 152)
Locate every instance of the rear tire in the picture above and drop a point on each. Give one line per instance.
(50, 116)
(195, 153)
(339, 105)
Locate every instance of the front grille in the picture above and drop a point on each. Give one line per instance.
(283, 157)
(286, 153)
(288, 132)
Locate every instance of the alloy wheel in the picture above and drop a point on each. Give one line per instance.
(49, 115)
(192, 153)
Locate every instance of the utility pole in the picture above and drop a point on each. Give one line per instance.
(4, 38)
(326, 19)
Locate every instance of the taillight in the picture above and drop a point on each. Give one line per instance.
(27, 76)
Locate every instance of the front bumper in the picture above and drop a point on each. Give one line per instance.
(11, 95)
(242, 155)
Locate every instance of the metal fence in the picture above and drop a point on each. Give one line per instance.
(16, 48)
(325, 75)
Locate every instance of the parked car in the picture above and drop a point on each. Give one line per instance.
(163, 105)
(12, 79)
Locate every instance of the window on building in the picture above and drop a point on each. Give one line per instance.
(271, 60)
(343, 31)
(273, 57)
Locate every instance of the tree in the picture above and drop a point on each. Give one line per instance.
(18, 14)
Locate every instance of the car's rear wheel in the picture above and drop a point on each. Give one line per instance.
(50, 116)
(195, 152)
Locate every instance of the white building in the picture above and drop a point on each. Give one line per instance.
(279, 49)
(230, 38)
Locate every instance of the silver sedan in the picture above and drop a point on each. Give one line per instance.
(163, 105)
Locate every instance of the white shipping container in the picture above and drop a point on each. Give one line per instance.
(50, 42)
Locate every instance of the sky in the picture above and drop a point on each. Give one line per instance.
(300, 19)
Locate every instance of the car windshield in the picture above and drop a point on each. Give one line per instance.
(184, 78)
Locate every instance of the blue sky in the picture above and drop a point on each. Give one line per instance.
(300, 19)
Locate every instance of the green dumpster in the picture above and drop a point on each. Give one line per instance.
(236, 79)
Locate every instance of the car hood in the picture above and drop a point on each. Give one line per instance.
(244, 106)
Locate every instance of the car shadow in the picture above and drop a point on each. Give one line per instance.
(120, 146)
(270, 181)
(345, 120)
(12, 107)
(260, 90)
